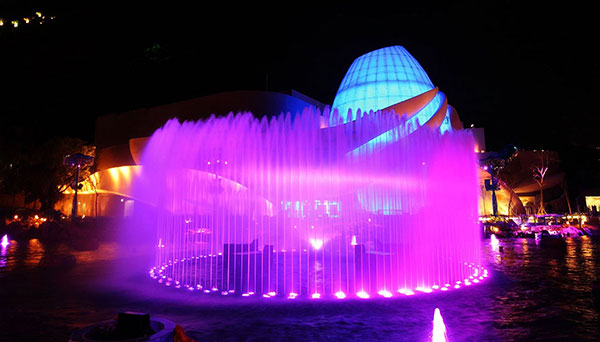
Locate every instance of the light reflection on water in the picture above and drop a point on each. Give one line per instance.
(35, 252)
(533, 294)
(3, 256)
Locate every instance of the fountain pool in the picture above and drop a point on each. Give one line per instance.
(290, 206)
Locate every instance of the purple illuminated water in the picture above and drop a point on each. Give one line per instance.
(533, 294)
(286, 207)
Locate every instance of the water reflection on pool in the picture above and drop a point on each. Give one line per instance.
(533, 294)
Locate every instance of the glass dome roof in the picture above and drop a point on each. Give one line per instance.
(380, 79)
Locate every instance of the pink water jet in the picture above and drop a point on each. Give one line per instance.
(290, 206)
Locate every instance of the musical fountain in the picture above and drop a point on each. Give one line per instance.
(318, 204)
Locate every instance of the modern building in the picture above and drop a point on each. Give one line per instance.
(121, 137)
(388, 80)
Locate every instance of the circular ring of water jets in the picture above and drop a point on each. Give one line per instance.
(287, 207)
(477, 275)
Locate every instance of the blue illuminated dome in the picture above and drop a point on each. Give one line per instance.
(379, 79)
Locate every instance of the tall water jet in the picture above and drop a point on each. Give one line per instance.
(4, 241)
(438, 333)
(494, 242)
(290, 207)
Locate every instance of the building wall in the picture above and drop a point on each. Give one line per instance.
(117, 129)
(120, 139)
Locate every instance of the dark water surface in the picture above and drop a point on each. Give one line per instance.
(532, 294)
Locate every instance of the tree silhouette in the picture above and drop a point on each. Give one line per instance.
(545, 160)
(37, 170)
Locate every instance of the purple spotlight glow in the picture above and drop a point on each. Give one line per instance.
(362, 294)
(424, 289)
(340, 295)
(4, 241)
(407, 292)
(316, 243)
(385, 293)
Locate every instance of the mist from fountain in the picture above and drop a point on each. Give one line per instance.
(290, 207)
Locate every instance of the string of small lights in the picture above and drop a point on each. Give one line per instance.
(16, 23)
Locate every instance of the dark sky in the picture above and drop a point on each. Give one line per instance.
(525, 73)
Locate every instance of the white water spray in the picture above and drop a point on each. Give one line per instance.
(439, 329)
(494, 242)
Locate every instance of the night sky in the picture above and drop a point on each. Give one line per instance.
(525, 74)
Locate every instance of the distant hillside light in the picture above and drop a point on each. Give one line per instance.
(32, 19)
